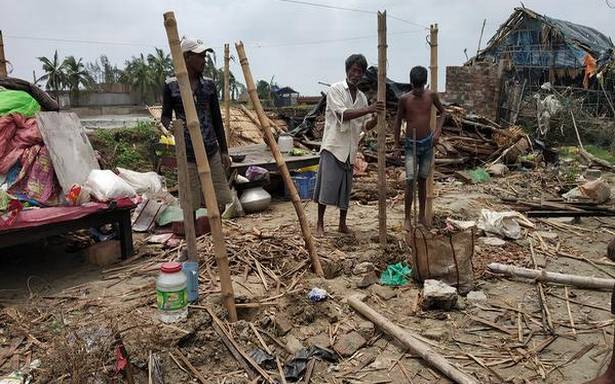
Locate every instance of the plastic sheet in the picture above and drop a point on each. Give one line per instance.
(396, 275)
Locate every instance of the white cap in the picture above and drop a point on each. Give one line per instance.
(193, 45)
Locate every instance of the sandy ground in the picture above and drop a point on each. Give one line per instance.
(501, 346)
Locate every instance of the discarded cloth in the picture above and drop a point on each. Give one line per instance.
(17, 133)
(505, 224)
(37, 179)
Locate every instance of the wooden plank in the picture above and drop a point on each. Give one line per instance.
(69, 147)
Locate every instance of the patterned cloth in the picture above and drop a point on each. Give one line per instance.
(36, 181)
(17, 133)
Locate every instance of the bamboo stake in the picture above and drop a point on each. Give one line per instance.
(281, 163)
(207, 185)
(410, 340)
(382, 182)
(185, 197)
(547, 322)
(3, 71)
(552, 277)
(227, 96)
(574, 331)
(433, 68)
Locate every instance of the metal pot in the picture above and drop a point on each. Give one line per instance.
(255, 199)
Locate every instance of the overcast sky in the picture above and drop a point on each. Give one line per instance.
(298, 44)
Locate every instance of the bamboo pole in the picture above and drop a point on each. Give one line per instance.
(552, 277)
(279, 159)
(3, 71)
(433, 68)
(185, 197)
(412, 342)
(207, 185)
(382, 182)
(227, 96)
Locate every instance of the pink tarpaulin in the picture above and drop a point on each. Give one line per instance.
(41, 216)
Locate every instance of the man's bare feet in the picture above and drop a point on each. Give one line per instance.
(343, 228)
(320, 231)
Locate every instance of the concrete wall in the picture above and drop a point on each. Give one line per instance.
(475, 87)
(89, 98)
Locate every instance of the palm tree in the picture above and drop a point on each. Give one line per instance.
(161, 66)
(111, 74)
(55, 75)
(210, 67)
(138, 74)
(77, 75)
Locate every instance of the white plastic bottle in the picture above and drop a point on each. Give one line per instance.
(172, 293)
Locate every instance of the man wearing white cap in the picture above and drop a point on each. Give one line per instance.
(208, 111)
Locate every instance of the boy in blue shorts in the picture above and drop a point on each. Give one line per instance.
(415, 108)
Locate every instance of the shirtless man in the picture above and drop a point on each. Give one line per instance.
(415, 108)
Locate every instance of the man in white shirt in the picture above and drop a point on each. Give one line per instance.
(346, 117)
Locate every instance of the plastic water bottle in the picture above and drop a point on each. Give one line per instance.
(172, 293)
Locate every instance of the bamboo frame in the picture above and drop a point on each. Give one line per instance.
(382, 182)
(227, 96)
(185, 196)
(204, 171)
(433, 68)
(279, 159)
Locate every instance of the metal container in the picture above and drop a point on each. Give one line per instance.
(255, 199)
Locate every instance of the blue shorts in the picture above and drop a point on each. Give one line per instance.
(424, 158)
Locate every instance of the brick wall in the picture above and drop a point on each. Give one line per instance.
(474, 87)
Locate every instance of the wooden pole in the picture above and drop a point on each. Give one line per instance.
(207, 185)
(382, 182)
(279, 159)
(480, 39)
(227, 96)
(3, 71)
(185, 197)
(433, 67)
(412, 342)
(552, 277)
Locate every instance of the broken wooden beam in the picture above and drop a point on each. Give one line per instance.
(552, 277)
(411, 341)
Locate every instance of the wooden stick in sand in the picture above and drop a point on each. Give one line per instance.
(433, 69)
(409, 340)
(552, 277)
(185, 197)
(382, 182)
(3, 71)
(207, 185)
(279, 159)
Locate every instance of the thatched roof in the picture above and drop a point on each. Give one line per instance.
(582, 37)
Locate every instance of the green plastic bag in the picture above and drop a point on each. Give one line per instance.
(479, 175)
(396, 275)
(18, 102)
(174, 213)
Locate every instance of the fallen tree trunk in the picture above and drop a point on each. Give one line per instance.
(411, 341)
(589, 157)
(552, 277)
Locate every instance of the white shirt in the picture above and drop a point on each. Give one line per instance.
(341, 138)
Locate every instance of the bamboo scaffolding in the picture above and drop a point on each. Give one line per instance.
(207, 185)
(382, 182)
(281, 163)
